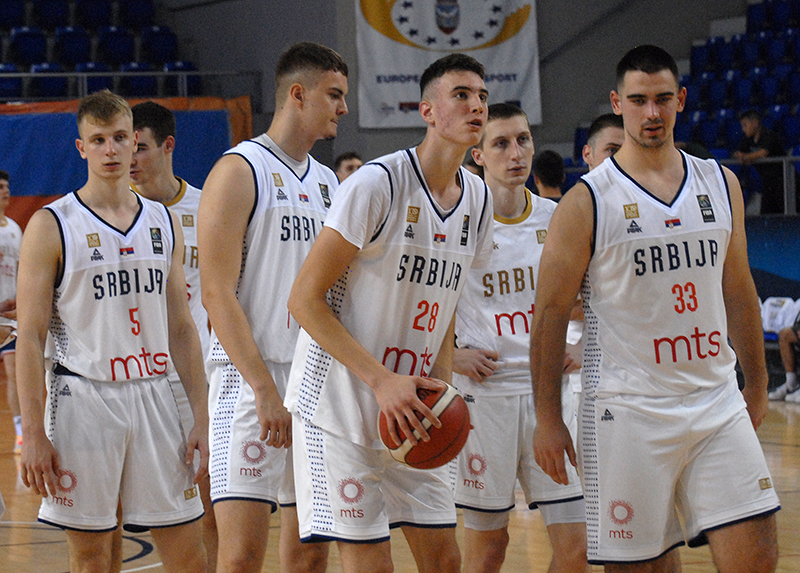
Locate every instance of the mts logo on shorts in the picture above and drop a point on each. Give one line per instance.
(621, 513)
(351, 491)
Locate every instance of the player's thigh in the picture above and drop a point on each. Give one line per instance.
(753, 541)
(89, 549)
(434, 550)
(181, 547)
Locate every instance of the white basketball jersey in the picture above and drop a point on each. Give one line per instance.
(399, 293)
(10, 240)
(109, 319)
(655, 315)
(496, 310)
(185, 206)
(287, 216)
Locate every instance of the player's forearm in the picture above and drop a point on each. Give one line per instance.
(443, 367)
(30, 384)
(187, 357)
(548, 344)
(747, 336)
(231, 327)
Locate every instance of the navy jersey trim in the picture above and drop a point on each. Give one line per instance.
(648, 560)
(63, 265)
(171, 228)
(106, 223)
(308, 167)
(396, 524)
(537, 504)
(424, 185)
(391, 202)
(485, 202)
(681, 187)
(484, 510)
(594, 214)
(136, 528)
(318, 538)
(255, 185)
(702, 539)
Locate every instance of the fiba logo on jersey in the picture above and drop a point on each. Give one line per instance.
(155, 238)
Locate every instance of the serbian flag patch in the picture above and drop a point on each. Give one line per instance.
(125, 251)
(672, 223)
(439, 238)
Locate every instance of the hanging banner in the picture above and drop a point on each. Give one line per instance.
(398, 39)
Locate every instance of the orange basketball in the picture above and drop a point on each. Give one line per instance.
(445, 443)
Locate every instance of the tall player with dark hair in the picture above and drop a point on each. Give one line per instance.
(263, 205)
(385, 330)
(656, 237)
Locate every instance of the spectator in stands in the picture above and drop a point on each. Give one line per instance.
(346, 164)
(10, 239)
(548, 174)
(760, 142)
(788, 343)
(605, 137)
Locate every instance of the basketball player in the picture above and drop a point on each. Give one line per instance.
(152, 175)
(263, 205)
(110, 262)
(395, 249)
(10, 239)
(492, 368)
(346, 164)
(657, 238)
(604, 139)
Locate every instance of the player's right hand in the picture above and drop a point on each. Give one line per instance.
(40, 465)
(550, 441)
(477, 363)
(398, 400)
(275, 420)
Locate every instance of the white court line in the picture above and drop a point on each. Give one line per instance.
(143, 567)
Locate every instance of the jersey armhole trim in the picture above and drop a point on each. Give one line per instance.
(391, 202)
(171, 227)
(594, 215)
(63, 264)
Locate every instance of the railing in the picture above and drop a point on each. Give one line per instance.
(789, 177)
(226, 84)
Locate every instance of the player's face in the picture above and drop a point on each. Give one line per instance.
(325, 103)
(458, 109)
(107, 148)
(507, 152)
(149, 160)
(5, 193)
(649, 104)
(606, 143)
(348, 167)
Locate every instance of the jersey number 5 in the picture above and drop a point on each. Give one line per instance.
(137, 328)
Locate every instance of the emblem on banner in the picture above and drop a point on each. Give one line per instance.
(447, 25)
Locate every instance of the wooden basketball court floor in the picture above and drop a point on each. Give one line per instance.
(27, 546)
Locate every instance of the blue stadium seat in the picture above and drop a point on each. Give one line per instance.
(793, 88)
(95, 83)
(115, 45)
(707, 132)
(791, 130)
(683, 131)
(93, 14)
(48, 87)
(171, 83)
(750, 53)
(720, 153)
(28, 45)
(774, 116)
(700, 59)
(137, 13)
(757, 18)
(12, 14)
(138, 86)
(733, 131)
(697, 117)
(695, 97)
(50, 14)
(72, 46)
(719, 93)
(780, 13)
(744, 94)
(782, 71)
(770, 90)
(10, 87)
(776, 50)
(725, 55)
(159, 45)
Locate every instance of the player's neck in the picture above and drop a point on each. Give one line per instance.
(549, 192)
(659, 170)
(509, 202)
(108, 194)
(164, 188)
(440, 163)
(290, 136)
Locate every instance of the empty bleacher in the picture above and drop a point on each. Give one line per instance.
(44, 37)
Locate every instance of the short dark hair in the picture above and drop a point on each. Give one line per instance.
(648, 59)
(505, 110)
(548, 166)
(602, 122)
(4, 175)
(308, 56)
(159, 119)
(750, 114)
(450, 63)
(346, 156)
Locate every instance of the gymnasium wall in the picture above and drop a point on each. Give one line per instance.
(773, 244)
(579, 42)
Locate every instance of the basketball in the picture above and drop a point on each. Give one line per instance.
(445, 443)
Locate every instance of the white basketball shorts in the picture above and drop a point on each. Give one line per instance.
(118, 442)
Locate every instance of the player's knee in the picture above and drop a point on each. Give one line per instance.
(448, 560)
(307, 558)
(243, 561)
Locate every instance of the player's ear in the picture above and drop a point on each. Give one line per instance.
(80, 147)
(586, 153)
(681, 99)
(426, 111)
(477, 155)
(169, 144)
(615, 102)
(297, 94)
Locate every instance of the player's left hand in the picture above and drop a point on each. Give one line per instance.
(570, 363)
(198, 440)
(757, 403)
(549, 444)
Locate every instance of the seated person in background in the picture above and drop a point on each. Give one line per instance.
(788, 344)
(548, 174)
(760, 142)
(346, 164)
